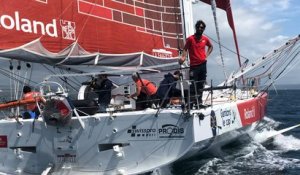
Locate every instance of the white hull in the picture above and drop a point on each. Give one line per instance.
(120, 143)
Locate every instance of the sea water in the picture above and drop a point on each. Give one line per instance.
(252, 154)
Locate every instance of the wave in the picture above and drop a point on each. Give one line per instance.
(253, 155)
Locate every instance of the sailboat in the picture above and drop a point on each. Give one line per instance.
(84, 38)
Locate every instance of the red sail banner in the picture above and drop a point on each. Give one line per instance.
(105, 26)
(225, 5)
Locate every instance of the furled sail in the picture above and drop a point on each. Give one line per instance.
(77, 31)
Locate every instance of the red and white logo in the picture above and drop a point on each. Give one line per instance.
(249, 113)
(68, 29)
(3, 141)
(252, 110)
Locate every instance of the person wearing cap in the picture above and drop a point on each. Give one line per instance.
(103, 87)
(167, 88)
(145, 92)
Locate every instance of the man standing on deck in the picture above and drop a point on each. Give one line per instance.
(196, 47)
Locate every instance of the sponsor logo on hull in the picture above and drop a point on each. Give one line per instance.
(170, 131)
(165, 131)
(141, 132)
(228, 117)
(249, 113)
(252, 110)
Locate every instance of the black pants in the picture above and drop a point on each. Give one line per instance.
(198, 75)
(143, 101)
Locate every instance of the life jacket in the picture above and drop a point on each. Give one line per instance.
(31, 96)
(147, 87)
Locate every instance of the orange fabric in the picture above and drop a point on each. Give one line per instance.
(31, 96)
(18, 103)
(149, 88)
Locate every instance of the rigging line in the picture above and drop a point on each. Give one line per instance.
(226, 47)
(281, 59)
(10, 81)
(213, 8)
(73, 80)
(276, 60)
(58, 77)
(269, 60)
(176, 26)
(17, 85)
(183, 19)
(217, 62)
(23, 84)
(31, 68)
(258, 63)
(4, 72)
(63, 11)
(289, 54)
(278, 76)
(295, 55)
(67, 80)
(267, 87)
(85, 22)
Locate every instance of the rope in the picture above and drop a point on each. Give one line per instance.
(213, 7)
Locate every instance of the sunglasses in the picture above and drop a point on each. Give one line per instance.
(201, 27)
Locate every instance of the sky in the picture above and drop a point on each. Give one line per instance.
(261, 26)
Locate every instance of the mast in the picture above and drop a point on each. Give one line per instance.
(187, 17)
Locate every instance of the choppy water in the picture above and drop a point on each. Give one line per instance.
(252, 154)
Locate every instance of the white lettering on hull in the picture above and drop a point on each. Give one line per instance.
(249, 113)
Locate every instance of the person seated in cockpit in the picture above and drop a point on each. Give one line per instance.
(103, 87)
(167, 91)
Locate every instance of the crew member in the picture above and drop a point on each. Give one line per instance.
(167, 88)
(32, 110)
(196, 46)
(145, 92)
(103, 87)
